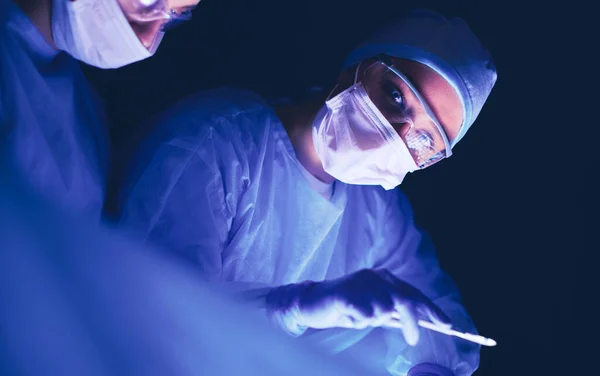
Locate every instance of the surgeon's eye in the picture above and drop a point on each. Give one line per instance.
(395, 97)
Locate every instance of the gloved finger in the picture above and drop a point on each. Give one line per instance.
(434, 318)
(363, 307)
(375, 305)
(429, 310)
(359, 314)
(381, 300)
(393, 322)
(382, 315)
(344, 318)
(346, 322)
(407, 315)
(402, 290)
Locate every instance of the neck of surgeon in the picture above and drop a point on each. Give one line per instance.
(39, 13)
(297, 119)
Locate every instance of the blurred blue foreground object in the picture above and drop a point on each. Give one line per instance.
(81, 300)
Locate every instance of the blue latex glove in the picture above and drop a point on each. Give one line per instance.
(367, 298)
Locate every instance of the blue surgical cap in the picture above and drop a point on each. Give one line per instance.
(448, 46)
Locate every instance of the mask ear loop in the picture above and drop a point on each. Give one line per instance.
(356, 73)
(331, 92)
(355, 80)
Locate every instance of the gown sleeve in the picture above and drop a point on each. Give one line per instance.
(412, 258)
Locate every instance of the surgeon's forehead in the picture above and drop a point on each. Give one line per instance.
(437, 92)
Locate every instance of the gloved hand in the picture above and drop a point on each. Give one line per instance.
(367, 298)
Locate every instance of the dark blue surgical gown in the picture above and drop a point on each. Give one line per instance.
(51, 123)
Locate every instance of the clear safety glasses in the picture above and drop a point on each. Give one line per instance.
(399, 101)
(146, 11)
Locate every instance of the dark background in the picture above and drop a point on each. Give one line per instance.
(502, 211)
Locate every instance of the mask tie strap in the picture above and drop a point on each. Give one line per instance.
(331, 92)
(356, 73)
(336, 86)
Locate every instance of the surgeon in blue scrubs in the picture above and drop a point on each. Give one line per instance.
(294, 206)
(52, 124)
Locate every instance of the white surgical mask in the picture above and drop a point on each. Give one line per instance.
(97, 33)
(357, 145)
